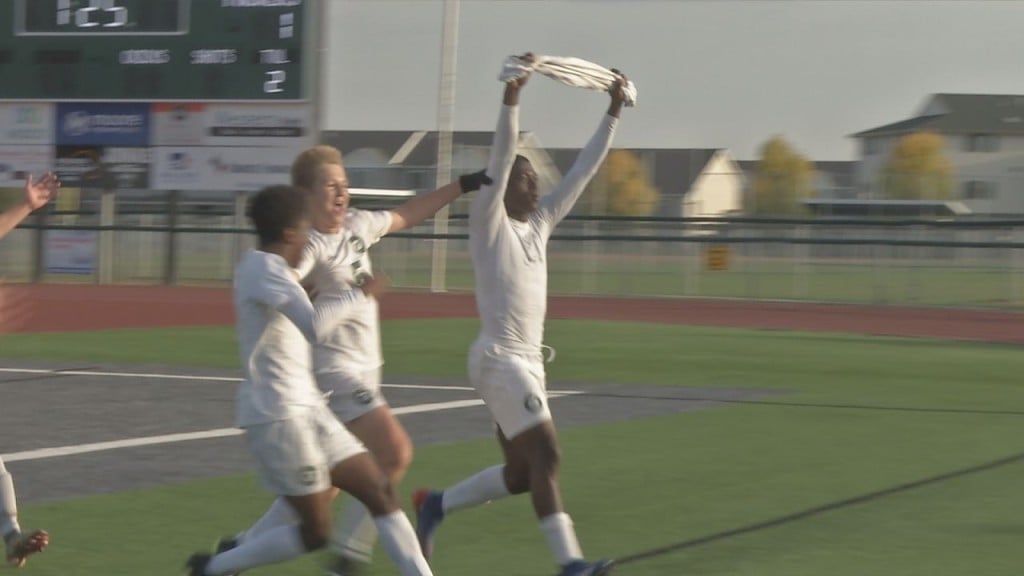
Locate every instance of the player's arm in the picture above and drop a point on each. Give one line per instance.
(415, 211)
(37, 194)
(488, 206)
(317, 322)
(560, 201)
(281, 290)
(309, 258)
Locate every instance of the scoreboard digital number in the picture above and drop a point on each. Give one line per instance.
(139, 50)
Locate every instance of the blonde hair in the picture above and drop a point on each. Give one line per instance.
(305, 165)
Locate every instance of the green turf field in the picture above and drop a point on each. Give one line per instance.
(860, 415)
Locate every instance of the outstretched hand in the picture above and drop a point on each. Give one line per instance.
(618, 93)
(518, 83)
(473, 181)
(38, 193)
(511, 97)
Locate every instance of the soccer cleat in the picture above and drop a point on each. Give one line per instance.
(19, 546)
(429, 515)
(583, 568)
(197, 563)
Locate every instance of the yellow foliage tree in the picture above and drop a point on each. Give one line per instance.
(918, 169)
(623, 188)
(783, 179)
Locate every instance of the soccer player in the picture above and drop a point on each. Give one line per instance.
(301, 449)
(509, 227)
(336, 263)
(20, 545)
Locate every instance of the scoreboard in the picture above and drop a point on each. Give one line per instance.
(146, 50)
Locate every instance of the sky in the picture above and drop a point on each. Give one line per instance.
(709, 74)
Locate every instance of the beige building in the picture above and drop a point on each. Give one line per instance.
(984, 138)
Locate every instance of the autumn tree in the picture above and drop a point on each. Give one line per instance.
(782, 180)
(918, 169)
(623, 188)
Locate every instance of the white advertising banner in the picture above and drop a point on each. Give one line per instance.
(70, 252)
(221, 168)
(27, 124)
(262, 125)
(17, 162)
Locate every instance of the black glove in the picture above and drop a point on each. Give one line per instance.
(473, 182)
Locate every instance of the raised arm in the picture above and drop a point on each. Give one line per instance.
(560, 201)
(418, 209)
(488, 207)
(37, 194)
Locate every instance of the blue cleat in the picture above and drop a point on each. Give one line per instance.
(583, 568)
(429, 515)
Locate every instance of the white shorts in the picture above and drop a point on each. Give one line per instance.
(295, 456)
(512, 384)
(352, 394)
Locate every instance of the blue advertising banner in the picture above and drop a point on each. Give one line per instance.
(102, 124)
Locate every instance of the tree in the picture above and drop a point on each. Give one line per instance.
(623, 188)
(782, 180)
(918, 169)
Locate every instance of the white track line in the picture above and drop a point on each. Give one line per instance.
(44, 453)
(201, 378)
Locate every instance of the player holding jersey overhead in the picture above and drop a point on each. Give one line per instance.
(509, 227)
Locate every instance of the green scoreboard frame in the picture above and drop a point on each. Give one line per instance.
(155, 50)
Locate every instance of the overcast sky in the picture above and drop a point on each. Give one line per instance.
(709, 73)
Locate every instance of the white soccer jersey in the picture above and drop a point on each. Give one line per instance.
(276, 325)
(510, 257)
(334, 264)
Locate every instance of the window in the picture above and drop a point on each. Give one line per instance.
(978, 190)
(872, 146)
(981, 143)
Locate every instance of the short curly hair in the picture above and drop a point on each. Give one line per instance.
(305, 165)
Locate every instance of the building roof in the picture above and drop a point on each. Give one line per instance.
(962, 114)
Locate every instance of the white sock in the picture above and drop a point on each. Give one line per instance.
(561, 535)
(279, 514)
(355, 532)
(480, 488)
(8, 503)
(399, 540)
(272, 546)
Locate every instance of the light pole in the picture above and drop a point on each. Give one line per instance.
(445, 126)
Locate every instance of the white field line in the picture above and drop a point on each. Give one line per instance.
(75, 449)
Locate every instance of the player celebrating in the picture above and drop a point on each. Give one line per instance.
(348, 364)
(300, 447)
(509, 227)
(20, 545)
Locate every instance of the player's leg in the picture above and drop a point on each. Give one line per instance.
(515, 400)
(388, 442)
(352, 396)
(294, 466)
(18, 546)
(357, 401)
(358, 474)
